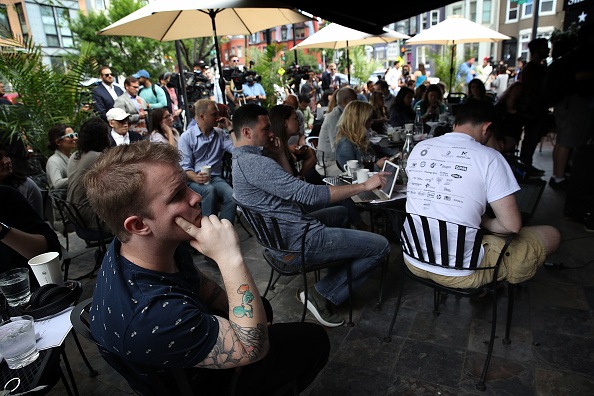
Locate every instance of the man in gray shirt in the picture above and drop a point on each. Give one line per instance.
(327, 143)
(263, 184)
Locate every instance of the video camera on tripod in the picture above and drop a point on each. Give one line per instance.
(239, 77)
(198, 86)
(297, 74)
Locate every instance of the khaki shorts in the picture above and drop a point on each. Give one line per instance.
(524, 255)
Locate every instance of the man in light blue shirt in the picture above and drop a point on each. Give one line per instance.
(253, 91)
(466, 71)
(203, 144)
(151, 93)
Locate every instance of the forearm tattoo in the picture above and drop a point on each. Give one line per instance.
(246, 342)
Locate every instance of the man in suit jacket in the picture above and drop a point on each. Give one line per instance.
(118, 120)
(105, 94)
(135, 106)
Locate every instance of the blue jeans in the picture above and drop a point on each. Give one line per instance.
(217, 190)
(364, 249)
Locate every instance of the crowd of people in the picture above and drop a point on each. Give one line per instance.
(163, 192)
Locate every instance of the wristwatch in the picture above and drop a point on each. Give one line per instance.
(4, 230)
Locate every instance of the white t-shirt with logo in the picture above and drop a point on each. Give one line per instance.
(452, 178)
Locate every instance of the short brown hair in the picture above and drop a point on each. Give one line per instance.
(103, 68)
(129, 80)
(115, 183)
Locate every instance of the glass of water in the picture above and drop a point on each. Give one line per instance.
(14, 284)
(17, 341)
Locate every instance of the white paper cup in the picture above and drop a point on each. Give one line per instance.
(362, 175)
(46, 268)
(206, 169)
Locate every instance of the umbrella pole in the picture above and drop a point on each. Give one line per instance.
(294, 44)
(182, 79)
(453, 51)
(213, 14)
(348, 62)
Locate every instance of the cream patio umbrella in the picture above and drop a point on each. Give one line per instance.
(167, 20)
(456, 30)
(336, 36)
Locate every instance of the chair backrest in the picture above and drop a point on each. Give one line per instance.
(455, 97)
(55, 196)
(430, 241)
(87, 232)
(144, 380)
(268, 230)
(312, 141)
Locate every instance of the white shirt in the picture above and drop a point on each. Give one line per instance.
(452, 178)
(119, 139)
(110, 90)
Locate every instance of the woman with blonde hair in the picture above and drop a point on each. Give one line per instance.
(352, 138)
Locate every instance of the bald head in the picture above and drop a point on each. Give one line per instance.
(345, 95)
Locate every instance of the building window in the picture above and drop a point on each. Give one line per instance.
(434, 17)
(283, 31)
(57, 63)
(457, 10)
(52, 19)
(49, 26)
(512, 11)
(527, 9)
(487, 6)
(5, 30)
(547, 7)
(413, 26)
(403, 26)
(100, 4)
(65, 32)
(523, 45)
(300, 32)
(509, 51)
(472, 11)
(21, 15)
(239, 52)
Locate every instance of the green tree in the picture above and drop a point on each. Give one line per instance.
(441, 62)
(46, 96)
(127, 54)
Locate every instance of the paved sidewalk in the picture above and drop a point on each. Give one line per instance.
(552, 328)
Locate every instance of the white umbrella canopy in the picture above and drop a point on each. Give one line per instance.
(456, 30)
(336, 36)
(167, 20)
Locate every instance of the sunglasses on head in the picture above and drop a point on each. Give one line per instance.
(69, 136)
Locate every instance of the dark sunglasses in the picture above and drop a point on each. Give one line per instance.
(107, 74)
(69, 136)
(235, 60)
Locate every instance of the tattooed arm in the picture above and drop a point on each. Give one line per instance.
(243, 338)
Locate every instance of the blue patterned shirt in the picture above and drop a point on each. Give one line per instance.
(150, 317)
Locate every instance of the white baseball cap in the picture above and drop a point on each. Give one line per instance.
(117, 114)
